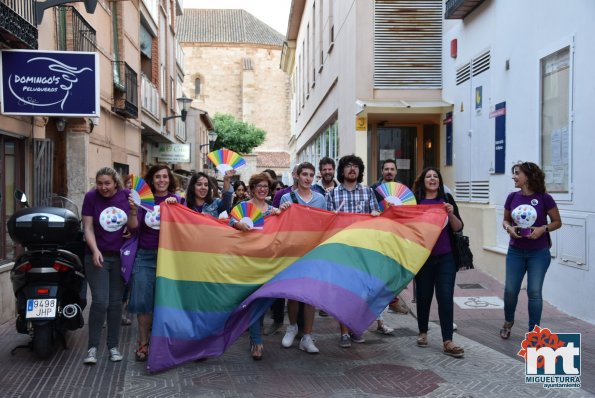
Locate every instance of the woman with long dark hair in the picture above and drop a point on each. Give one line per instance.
(199, 196)
(529, 248)
(439, 271)
(240, 192)
(142, 296)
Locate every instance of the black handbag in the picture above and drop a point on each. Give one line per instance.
(461, 251)
(460, 244)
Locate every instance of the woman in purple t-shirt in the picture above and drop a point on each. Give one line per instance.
(439, 271)
(105, 215)
(144, 273)
(525, 219)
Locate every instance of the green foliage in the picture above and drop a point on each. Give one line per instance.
(236, 135)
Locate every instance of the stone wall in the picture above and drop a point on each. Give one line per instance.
(244, 81)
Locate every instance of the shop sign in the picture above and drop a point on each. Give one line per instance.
(173, 153)
(49, 83)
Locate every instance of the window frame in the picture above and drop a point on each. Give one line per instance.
(567, 42)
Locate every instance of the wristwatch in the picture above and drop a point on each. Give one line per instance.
(546, 228)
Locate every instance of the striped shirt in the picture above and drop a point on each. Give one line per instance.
(360, 200)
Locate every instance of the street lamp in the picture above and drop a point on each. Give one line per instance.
(212, 138)
(184, 104)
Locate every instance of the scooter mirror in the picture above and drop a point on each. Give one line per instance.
(20, 196)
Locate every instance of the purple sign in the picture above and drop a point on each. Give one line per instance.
(49, 83)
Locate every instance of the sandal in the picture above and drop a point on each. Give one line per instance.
(142, 352)
(422, 340)
(505, 331)
(453, 350)
(257, 351)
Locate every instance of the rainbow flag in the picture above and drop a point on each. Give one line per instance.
(213, 281)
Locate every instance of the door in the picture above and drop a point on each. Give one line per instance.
(398, 143)
(11, 178)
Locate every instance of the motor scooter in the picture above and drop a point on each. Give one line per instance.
(48, 278)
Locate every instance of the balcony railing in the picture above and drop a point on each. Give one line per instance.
(459, 9)
(150, 96)
(125, 90)
(17, 23)
(74, 32)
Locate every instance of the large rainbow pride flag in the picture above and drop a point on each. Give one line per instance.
(213, 281)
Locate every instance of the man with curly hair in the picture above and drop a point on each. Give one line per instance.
(353, 197)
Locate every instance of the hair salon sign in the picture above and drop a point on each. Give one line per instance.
(49, 83)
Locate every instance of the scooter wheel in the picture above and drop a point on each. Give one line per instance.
(43, 340)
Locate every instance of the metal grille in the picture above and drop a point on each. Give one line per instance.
(408, 44)
(43, 153)
(464, 73)
(481, 63)
(472, 191)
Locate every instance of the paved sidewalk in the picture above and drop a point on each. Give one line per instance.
(385, 366)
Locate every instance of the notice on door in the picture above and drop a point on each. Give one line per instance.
(403, 164)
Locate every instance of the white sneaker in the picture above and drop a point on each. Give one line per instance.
(383, 329)
(290, 333)
(307, 344)
(114, 355)
(454, 326)
(91, 358)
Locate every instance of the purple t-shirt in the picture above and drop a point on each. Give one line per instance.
(542, 203)
(150, 223)
(110, 216)
(279, 195)
(443, 244)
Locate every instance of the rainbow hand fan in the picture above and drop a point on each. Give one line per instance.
(395, 194)
(141, 193)
(248, 213)
(225, 159)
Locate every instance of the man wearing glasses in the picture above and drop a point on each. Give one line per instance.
(352, 197)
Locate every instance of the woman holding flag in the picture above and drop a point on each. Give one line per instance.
(199, 196)
(259, 186)
(163, 185)
(439, 271)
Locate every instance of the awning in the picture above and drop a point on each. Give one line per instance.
(366, 107)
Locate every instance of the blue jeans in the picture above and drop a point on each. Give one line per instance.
(438, 273)
(255, 331)
(107, 290)
(535, 264)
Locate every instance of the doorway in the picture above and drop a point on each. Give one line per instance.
(414, 147)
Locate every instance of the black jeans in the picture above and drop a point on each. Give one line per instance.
(438, 273)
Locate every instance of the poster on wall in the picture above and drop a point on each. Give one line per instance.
(49, 83)
(500, 138)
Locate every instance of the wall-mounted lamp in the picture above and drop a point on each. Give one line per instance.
(184, 104)
(428, 144)
(212, 138)
(60, 124)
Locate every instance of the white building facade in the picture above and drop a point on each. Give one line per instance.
(520, 77)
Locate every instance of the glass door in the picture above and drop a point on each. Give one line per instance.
(399, 143)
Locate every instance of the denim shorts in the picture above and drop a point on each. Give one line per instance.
(144, 273)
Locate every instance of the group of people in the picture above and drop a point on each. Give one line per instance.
(110, 217)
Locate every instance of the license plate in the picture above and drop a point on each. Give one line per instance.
(41, 308)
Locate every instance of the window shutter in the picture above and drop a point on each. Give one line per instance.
(408, 44)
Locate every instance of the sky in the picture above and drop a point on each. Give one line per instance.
(274, 13)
